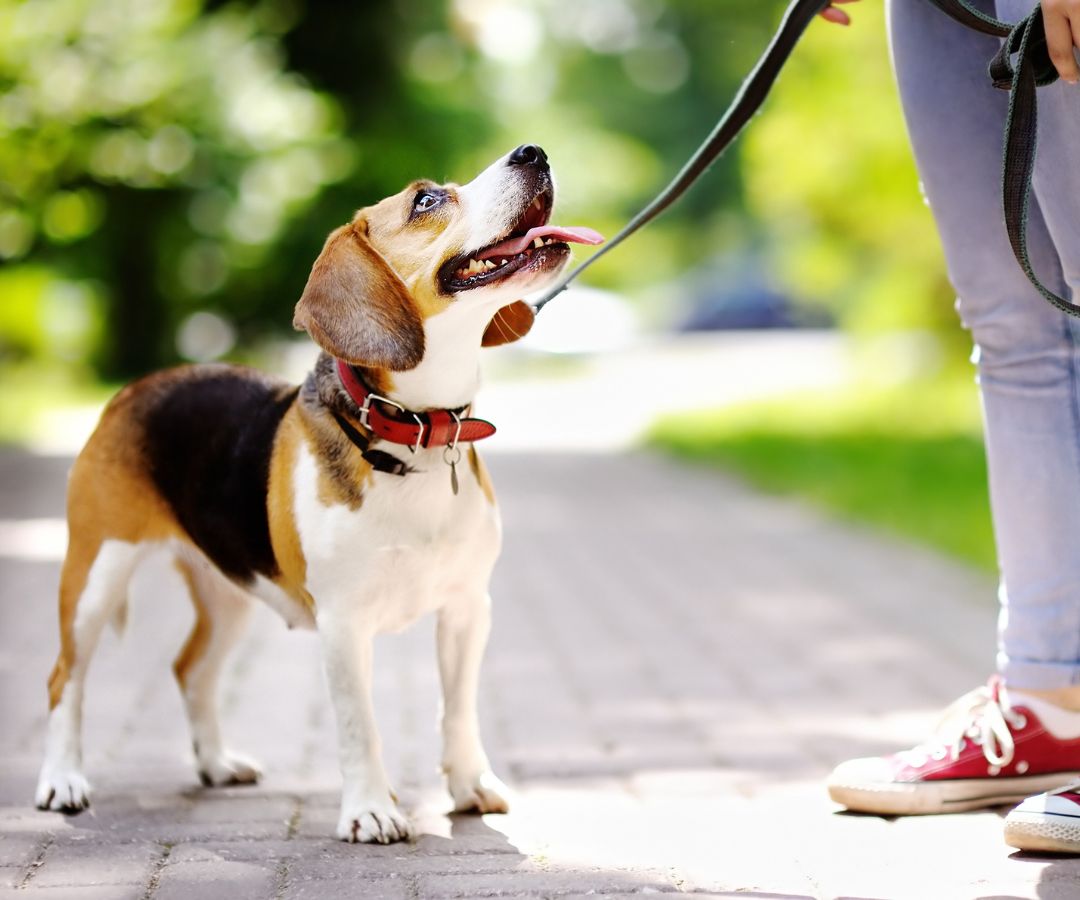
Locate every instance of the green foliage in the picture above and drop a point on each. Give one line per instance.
(170, 157)
(908, 459)
(831, 182)
(155, 149)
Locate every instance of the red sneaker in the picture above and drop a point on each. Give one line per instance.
(985, 751)
(1048, 823)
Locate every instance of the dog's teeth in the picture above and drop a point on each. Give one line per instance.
(503, 262)
(538, 242)
(537, 204)
(488, 265)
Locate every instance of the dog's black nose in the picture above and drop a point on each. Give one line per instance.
(529, 155)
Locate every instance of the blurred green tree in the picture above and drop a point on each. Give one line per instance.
(842, 216)
(156, 151)
(175, 162)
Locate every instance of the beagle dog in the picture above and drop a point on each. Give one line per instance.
(353, 504)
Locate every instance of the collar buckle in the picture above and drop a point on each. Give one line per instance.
(365, 411)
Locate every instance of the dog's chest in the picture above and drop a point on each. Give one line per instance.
(407, 549)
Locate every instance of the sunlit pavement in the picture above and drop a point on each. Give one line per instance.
(676, 663)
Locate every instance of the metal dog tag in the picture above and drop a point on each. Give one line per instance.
(451, 456)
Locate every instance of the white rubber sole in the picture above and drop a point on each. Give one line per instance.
(920, 798)
(1041, 834)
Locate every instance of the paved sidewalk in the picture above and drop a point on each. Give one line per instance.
(676, 663)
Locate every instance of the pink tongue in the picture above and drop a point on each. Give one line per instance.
(513, 246)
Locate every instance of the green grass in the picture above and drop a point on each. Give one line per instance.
(907, 459)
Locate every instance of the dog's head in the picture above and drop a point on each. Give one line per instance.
(435, 249)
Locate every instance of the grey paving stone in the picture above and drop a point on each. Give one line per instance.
(536, 883)
(78, 892)
(69, 863)
(675, 663)
(362, 866)
(360, 889)
(18, 849)
(217, 880)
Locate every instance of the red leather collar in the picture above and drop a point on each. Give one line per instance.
(434, 428)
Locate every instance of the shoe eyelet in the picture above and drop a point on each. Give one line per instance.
(1020, 722)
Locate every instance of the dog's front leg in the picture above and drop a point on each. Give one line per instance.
(462, 635)
(369, 813)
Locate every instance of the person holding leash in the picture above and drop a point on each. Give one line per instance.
(1018, 738)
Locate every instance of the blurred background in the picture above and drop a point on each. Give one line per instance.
(170, 168)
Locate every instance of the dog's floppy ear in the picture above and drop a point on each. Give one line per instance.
(509, 324)
(356, 308)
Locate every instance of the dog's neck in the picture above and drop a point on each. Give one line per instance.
(448, 376)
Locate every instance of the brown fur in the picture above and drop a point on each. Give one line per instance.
(356, 307)
(509, 324)
(480, 472)
(365, 301)
(199, 639)
(109, 496)
(283, 537)
(375, 282)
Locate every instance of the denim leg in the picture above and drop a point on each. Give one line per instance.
(1027, 354)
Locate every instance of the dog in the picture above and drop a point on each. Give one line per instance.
(352, 504)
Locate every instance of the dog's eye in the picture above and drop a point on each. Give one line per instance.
(425, 200)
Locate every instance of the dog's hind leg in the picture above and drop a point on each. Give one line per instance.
(93, 585)
(221, 613)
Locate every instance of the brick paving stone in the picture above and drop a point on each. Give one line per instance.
(546, 884)
(70, 863)
(676, 662)
(18, 849)
(77, 892)
(217, 880)
(383, 889)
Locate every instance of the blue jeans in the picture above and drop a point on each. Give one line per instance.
(1026, 352)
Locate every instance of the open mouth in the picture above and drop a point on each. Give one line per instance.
(530, 244)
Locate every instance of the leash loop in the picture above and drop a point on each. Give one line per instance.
(1026, 40)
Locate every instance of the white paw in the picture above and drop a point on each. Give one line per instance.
(227, 768)
(377, 824)
(483, 793)
(62, 790)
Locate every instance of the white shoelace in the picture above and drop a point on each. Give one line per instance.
(984, 717)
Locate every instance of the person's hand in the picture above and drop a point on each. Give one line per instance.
(839, 17)
(1062, 21)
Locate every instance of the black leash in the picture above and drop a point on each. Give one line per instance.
(1026, 40)
(748, 101)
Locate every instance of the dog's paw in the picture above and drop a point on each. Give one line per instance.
(62, 790)
(227, 768)
(377, 824)
(483, 793)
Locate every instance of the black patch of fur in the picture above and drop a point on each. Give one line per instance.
(208, 439)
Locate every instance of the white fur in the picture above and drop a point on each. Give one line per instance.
(412, 547)
(492, 201)
(61, 785)
(227, 608)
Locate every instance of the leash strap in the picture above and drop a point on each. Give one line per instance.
(1025, 40)
(799, 15)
